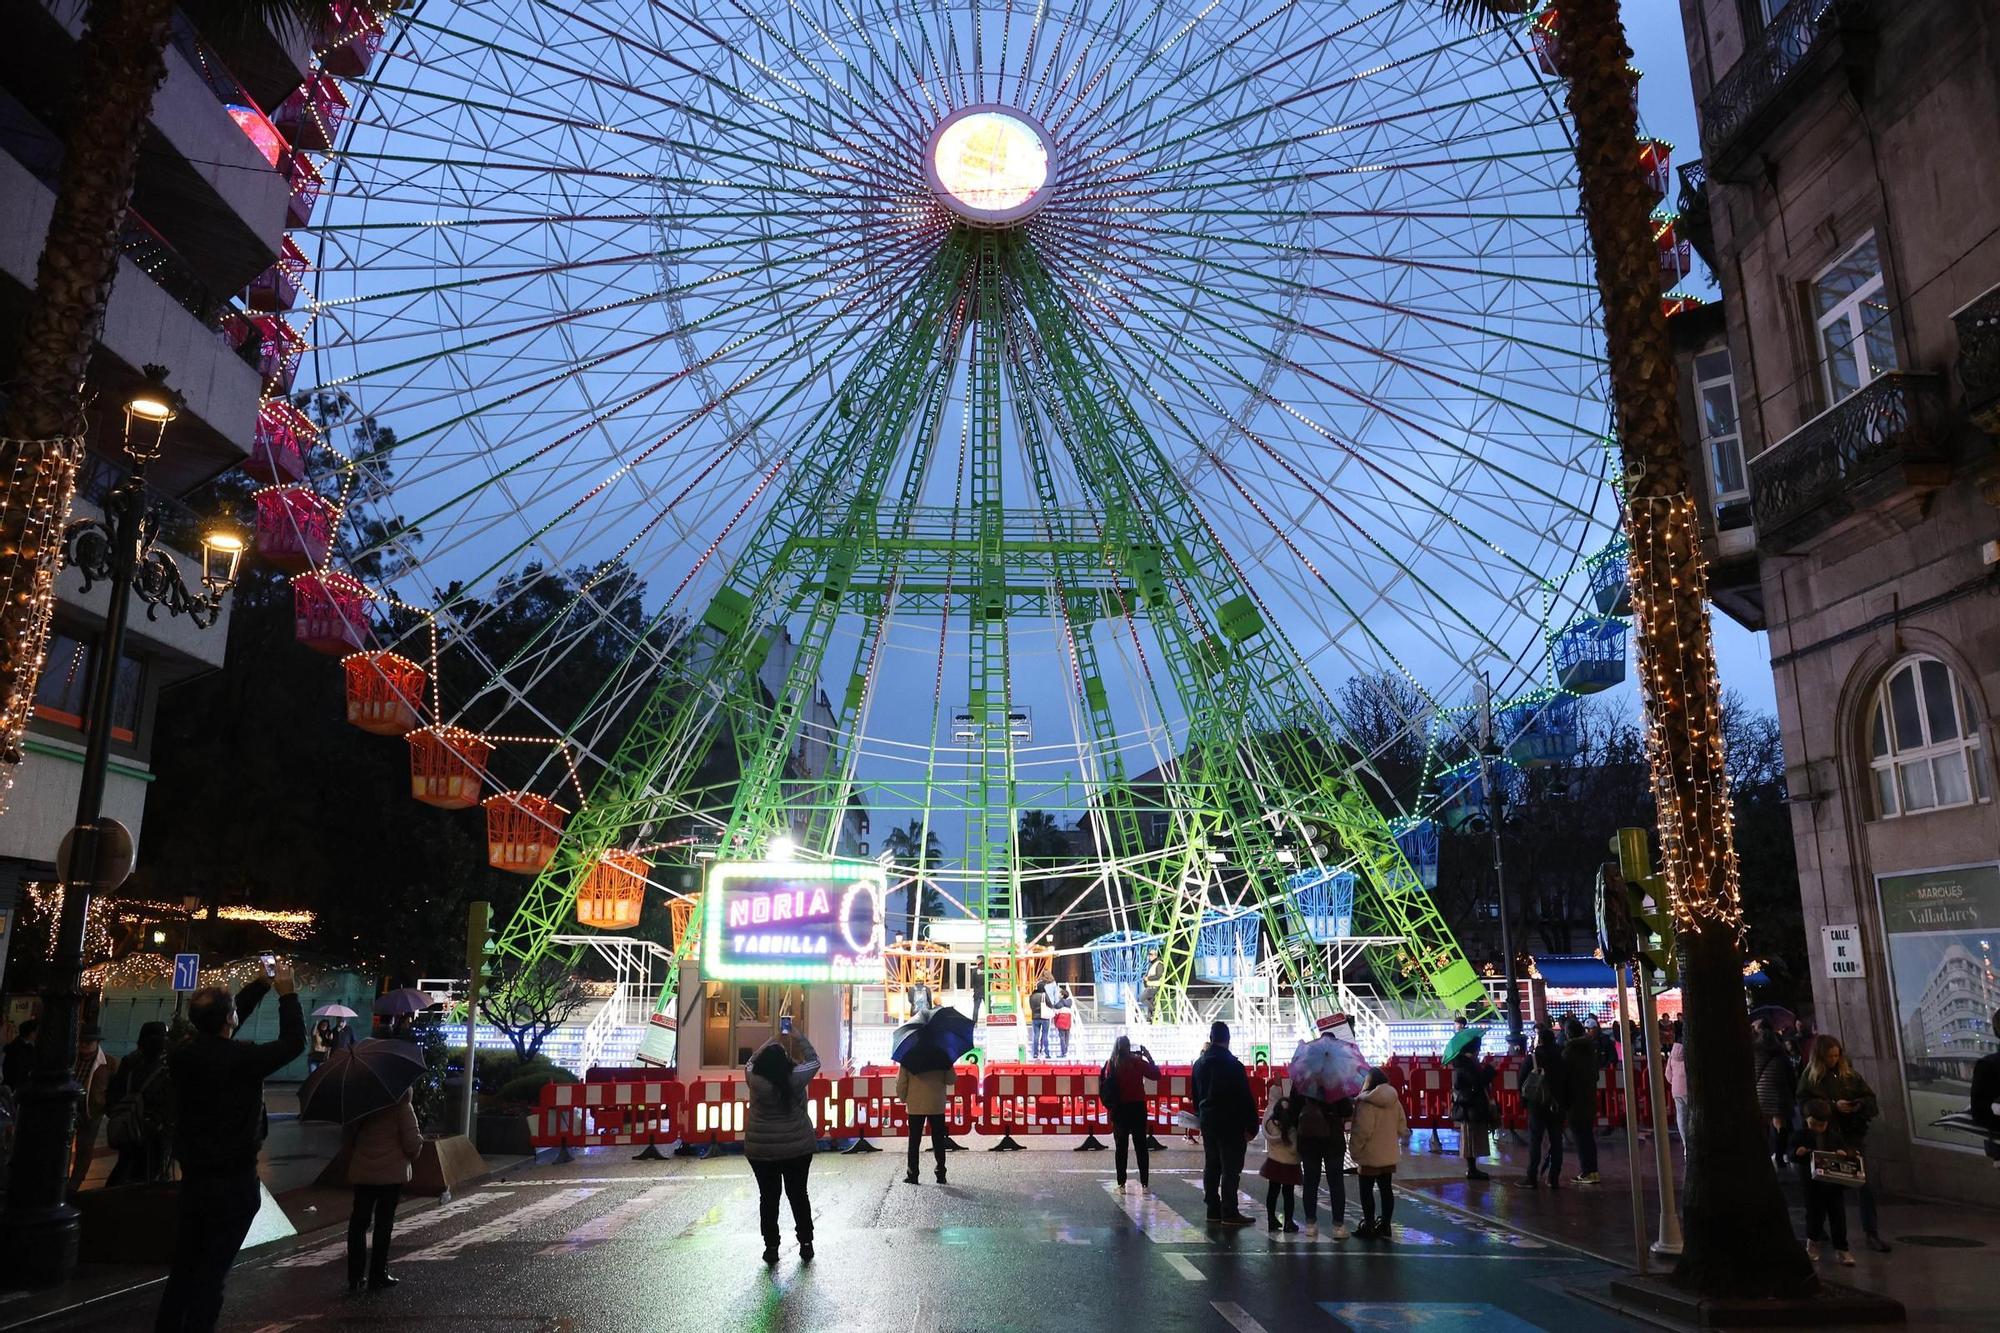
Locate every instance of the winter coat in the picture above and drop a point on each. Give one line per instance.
(1986, 1093)
(1775, 1080)
(924, 1094)
(1376, 1141)
(1222, 1094)
(1580, 1070)
(1848, 1087)
(776, 1127)
(383, 1145)
(1277, 1147)
(219, 1122)
(1548, 1062)
(1037, 1004)
(1131, 1075)
(1469, 1102)
(1677, 1071)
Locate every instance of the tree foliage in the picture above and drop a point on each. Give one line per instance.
(528, 1004)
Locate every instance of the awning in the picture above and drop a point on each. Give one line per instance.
(1576, 971)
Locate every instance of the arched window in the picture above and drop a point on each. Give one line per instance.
(1924, 741)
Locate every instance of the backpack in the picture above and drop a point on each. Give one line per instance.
(126, 1123)
(1107, 1086)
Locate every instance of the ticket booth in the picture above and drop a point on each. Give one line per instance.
(782, 941)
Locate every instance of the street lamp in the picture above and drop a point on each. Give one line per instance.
(1496, 809)
(39, 1229)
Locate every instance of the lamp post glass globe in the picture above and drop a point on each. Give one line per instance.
(991, 165)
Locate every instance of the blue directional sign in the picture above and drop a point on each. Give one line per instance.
(187, 971)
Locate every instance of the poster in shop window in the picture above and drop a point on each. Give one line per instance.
(1942, 929)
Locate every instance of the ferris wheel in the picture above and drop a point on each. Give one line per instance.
(961, 410)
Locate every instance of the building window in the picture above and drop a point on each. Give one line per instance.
(1924, 742)
(1852, 310)
(62, 696)
(1721, 432)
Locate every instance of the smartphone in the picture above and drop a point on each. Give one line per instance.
(785, 1025)
(270, 961)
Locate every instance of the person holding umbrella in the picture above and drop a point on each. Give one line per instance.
(1471, 1108)
(926, 1048)
(1327, 1073)
(383, 1147)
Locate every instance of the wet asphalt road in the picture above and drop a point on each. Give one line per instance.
(1030, 1240)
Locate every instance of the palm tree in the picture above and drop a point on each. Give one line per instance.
(1739, 1238)
(121, 63)
(916, 850)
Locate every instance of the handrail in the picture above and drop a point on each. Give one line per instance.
(1769, 63)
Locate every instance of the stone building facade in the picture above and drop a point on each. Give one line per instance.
(1843, 408)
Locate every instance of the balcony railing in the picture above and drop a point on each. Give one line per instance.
(1878, 441)
(1692, 205)
(1774, 59)
(1979, 358)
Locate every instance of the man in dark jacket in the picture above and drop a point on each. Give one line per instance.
(1775, 1083)
(219, 1127)
(17, 1059)
(1986, 1088)
(1228, 1115)
(1580, 1068)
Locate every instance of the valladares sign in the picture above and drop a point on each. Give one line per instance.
(792, 921)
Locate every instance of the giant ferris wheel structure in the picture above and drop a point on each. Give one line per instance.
(1147, 369)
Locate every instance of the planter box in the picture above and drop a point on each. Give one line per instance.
(444, 1164)
(505, 1135)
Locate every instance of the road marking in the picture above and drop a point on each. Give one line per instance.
(273, 1328)
(1161, 1224)
(1431, 1316)
(634, 1179)
(421, 1221)
(1239, 1318)
(1183, 1266)
(500, 1227)
(606, 1225)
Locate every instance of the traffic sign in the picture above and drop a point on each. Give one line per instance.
(187, 971)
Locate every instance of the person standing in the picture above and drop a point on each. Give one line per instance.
(978, 987)
(1580, 1072)
(779, 1139)
(1776, 1082)
(1677, 1084)
(1826, 1208)
(139, 1111)
(383, 1146)
(17, 1061)
(1322, 1136)
(1472, 1109)
(1038, 1024)
(93, 1074)
(1228, 1117)
(1542, 1093)
(1985, 1093)
(1063, 1015)
(1380, 1126)
(1830, 1078)
(219, 1127)
(925, 1097)
(1124, 1076)
(1281, 1161)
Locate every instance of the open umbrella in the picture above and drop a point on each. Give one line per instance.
(935, 1041)
(405, 1001)
(1780, 1018)
(1328, 1068)
(360, 1079)
(334, 1011)
(1461, 1041)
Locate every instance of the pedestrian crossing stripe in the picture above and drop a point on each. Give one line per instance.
(606, 1225)
(1430, 1316)
(500, 1228)
(416, 1222)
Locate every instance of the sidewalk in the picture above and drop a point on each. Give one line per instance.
(1941, 1268)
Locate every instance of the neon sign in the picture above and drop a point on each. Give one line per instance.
(792, 921)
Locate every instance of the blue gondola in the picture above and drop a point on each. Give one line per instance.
(1542, 733)
(1226, 947)
(1462, 791)
(1419, 840)
(1118, 963)
(1611, 579)
(1326, 900)
(1590, 655)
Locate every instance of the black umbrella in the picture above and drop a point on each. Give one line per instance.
(408, 1000)
(935, 1041)
(361, 1079)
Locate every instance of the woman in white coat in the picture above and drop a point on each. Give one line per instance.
(1376, 1144)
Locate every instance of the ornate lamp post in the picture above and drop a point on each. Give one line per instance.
(1496, 810)
(39, 1229)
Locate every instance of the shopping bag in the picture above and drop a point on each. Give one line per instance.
(1832, 1168)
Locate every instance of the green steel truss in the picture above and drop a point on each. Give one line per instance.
(1263, 784)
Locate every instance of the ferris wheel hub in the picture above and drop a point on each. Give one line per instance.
(990, 164)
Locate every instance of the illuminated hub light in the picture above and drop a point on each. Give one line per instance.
(990, 164)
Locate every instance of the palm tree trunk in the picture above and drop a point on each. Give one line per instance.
(1739, 1237)
(122, 61)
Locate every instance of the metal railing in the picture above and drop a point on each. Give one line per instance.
(1978, 324)
(1773, 57)
(1889, 422)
